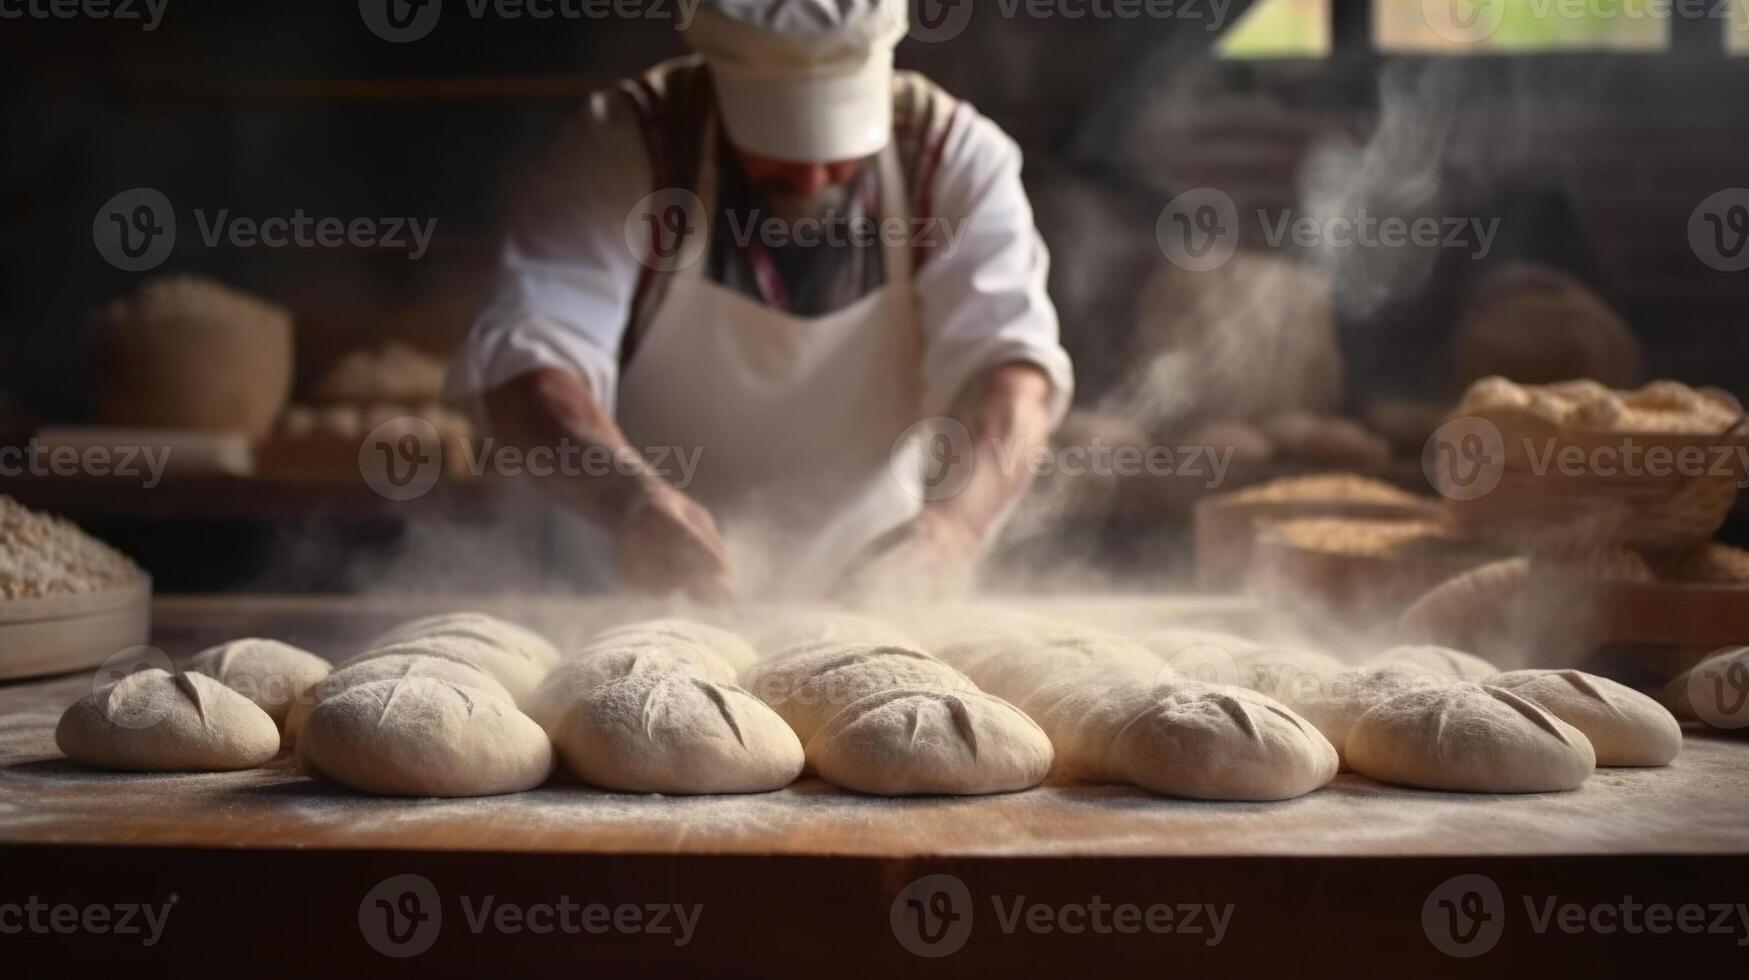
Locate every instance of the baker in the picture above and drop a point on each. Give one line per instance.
(780, 256)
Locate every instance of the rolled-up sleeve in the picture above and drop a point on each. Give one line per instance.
(982, 291)
(567, 277)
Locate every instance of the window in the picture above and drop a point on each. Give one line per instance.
(1509, 26)
(1279, 29)
(1301, 28)
(1737, 28)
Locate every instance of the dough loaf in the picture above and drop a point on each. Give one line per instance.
(1469, 738)
(1625, 727)
(417, 736)
(1334, 702)
(517, 657)
(153, 721)
(270, 673)
(808, 686)
(612, 657)
(675, 733)
(1184, 738)
(390, 663)
(910, 741)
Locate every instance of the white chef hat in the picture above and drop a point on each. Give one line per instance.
(806, 81)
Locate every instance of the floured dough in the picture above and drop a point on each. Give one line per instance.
(1469, 738)
(517, 659)
(390, 663)
(415, 736)
(153, 721)
(730, 646)
(1625, 727)
(1334, 702)
(270, 673)
(910, 741)
(675, 733)
(1202, 741)
(808, 687)
(1437, 660)
(594, 666)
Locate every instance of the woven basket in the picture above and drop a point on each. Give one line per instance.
(1666, 507)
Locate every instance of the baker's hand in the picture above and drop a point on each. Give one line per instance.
(931, 555)
(668, 543)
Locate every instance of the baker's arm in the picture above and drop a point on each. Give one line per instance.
(542, 362)
(1008, 416)
(666, 541)
(992, 361)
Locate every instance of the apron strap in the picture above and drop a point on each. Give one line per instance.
(899, 259)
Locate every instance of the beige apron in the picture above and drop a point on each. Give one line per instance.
(795, 419)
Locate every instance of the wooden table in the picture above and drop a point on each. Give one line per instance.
(270, 869)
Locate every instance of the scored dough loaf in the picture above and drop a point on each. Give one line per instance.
(1625, 727)
(808, 686)
(390, 663)
(270, 673)
(616, 657)
(1437, 660)
(1334, 702)
(155, 721)
(911, 741)
(517, 659)
(676, 733)
(416, 736)
(1180, 738)
(1469, 738)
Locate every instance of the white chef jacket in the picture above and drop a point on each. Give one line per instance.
(568, 276)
